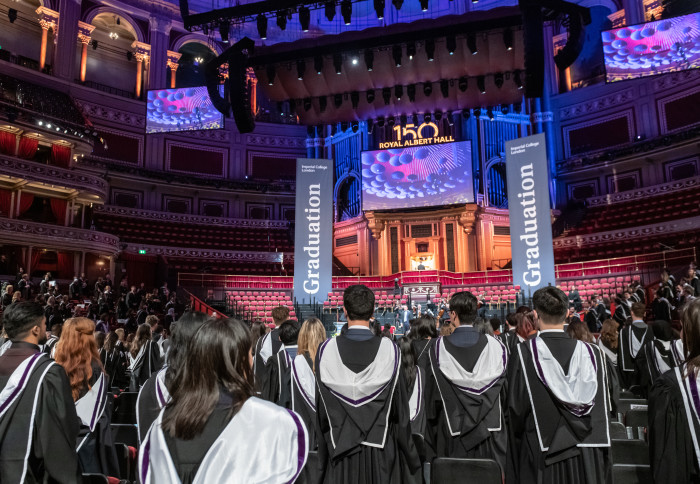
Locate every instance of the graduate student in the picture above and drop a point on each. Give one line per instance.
(214, 429)
(362, 403)
(115, 361)
(633, 337)
(155, 392)
(557, 403)
(674, 406)
(267, 347)
(78, 355)
(282, 375)
(422, 336)
(656, 357)
(144, 357)
(38, 421)
(464, 388)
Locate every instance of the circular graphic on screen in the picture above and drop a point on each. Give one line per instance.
(182, 109)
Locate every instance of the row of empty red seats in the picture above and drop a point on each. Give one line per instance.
(258, 305)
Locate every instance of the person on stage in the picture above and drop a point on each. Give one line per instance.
(362, 403)
(464, 389)
(557, 403)
(633, 337)
(674, 406)
(214, 429)
(38, 420)
(268, 346)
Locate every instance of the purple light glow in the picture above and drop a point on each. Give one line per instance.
(183, 109)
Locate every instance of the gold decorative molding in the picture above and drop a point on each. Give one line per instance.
(375, 225)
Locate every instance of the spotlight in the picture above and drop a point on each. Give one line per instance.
(355, 99)
(318, 64)
(481, 84)
(224, 27)
(396, 54)
(369, 60)
(445, 88)
(517, 79)
(329, 7)
(379, 8)
(471, 44)
(370, 126)
(262, 26)
(462, 83)
(386, 95)
(451, 43)
(355, 61)
(12, 15)
(430, 49)
(498, 79)
(475, 2)
(414, 119)
(338, 63)
(380, 121)
(427, 89)
(337, 100)
(301, 67)
(270, 75)
(424, 5)
(411, 91)
(451, 118)
(322, 103)
(41, 123)
(391, 121)
(508, 39)
(94, 45)
(489, 113)
(48, 125)
(438, 116)
(346, 11)
(398, 92)
(426, 118)
(370, 96)
(307, 103)
(411, 50)
(304, 18)
(504, 109)
(282, 19)
(477, 113)
(465, 114)
(403, 120)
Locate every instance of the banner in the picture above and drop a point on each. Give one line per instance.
(528, 207)
(313, 237)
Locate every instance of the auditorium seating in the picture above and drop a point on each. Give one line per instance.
(258, 305)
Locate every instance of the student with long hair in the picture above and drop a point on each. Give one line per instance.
(258, 329)
(656, 357)
(232, 434)
(311, 335)
(155, 392)
(608, 342)
(415, 383)
(674, 428)
(79, 356)
(144, 357)
(115, 361)
(422, 336)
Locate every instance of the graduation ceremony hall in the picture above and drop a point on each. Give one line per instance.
(349, 241)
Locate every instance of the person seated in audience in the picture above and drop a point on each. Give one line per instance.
(144, 358)
(38, 424)
(7, 295)
(633, 337)
(362, 411)
(557, 407)
(674, 407)
(44, 284)
(267, 347)
(661, 307)
(465, 388)
(232, 435)
(155, 393)
(78, 354)
(656, 357)
(53, 338)
(303, 380)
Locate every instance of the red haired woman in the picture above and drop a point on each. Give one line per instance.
(79, 357)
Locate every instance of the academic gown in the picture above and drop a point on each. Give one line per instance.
(655, 359)
(591, 320)
(153, 396)
(303, 394)
(116, 363)
(631, 335)
(674, 428)
(147, 361)
(544, 436)
(46, 397)
(421, 348)
(369, 443)
(464, 402)
(613, 376)
(265, 366)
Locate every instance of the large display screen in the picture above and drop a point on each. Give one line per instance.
(652, 48)
(182, 109)
(419, 176)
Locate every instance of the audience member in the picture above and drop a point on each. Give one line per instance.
(115, 361)
(578, 330)
(633, 337)
(144, 357)
(267, 347)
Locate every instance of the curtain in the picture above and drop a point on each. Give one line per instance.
(60, 155)
(36, 257)
(65, 265)
(58, 207)
(8, 143)
(27, 148)
(25, 202)
(5, 202)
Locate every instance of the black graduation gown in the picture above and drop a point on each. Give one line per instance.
(421, 348)
(116, 363)
(282, 377)
(477, 419)
(629, 371)
(591, 320)
(648, 366)
(301, 406)
(561, 431)
(147, 406)
(350, 461)
(152, 362)
(661, 309)
(673, 456)
(52, 457)
(266, 371)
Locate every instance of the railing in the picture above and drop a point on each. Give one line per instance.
(107, 89)
(198, 305)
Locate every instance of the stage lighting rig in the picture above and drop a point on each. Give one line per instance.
(424, 5)
(398, 92)
(322, 103)
(270, 75)
(262, 26)
(301, 68)
(355, 99)
(411, 91)
(481, 84)
(224, 27)
(451, 44)
(445, 88)
(517, 78)
(508, 39)
(430, 49)
(397, 4)
(463, 83)
(346, 11)
(379, 9)
(369, 59)
(386, 95)
(304, 18)
(338, 63)
(370, 96)
(471, 44)
(318, 64)
(282, 19)
(411, 50)
(427, 88)
(396, 53)
(477, 113)
(329, 8)
(498, 79)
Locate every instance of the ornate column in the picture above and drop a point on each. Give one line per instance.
(48, 19)
(160, 38)
(64, 63)
(141, 53)
(173, 64)
(84, 32)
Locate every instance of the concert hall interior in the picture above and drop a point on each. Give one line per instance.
(231, 158)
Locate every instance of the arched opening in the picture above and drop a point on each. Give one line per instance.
(348, 200)
(498, 186)
(190, 71)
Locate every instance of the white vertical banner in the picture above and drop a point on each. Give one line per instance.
(528, 206)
